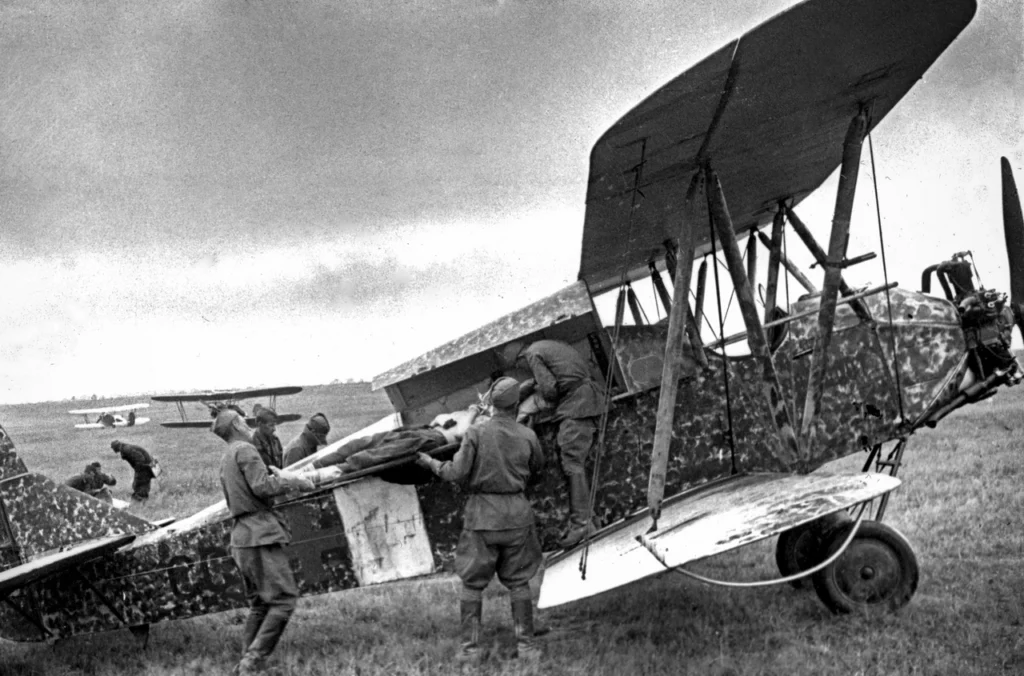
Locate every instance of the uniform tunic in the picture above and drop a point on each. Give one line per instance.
(495, 461)
(90, 481)
(269, 448)
(300, 447)
(248, 488)
(563, 378)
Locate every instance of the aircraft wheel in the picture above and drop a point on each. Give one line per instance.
(802, 547)
(877, 573)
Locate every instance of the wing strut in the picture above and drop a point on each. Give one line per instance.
(774, 259)
(819, 253)
(677, 322)
(788, 447)
(833, 265)
(792, 269)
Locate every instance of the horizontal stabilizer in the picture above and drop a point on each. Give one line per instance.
(702, 522)
(15, 578)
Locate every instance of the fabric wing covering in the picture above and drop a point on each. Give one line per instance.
(769, 111)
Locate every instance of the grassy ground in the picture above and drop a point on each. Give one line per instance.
(961, 506)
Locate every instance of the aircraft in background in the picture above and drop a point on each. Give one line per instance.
(215, 401)
(109, 417)
(733, 441)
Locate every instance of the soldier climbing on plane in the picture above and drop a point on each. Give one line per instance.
(562, 378)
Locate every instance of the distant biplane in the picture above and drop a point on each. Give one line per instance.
(215, 401)
(734, 441)
(109, 417)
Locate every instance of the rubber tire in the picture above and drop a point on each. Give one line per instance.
(801, 548)
(877, 550)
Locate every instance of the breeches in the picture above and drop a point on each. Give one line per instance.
(575, 439)
(268, 577)
(140, 483)
(272, 594)
(514, 555)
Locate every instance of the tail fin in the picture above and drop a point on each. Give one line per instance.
(10, 463)
(39, 516)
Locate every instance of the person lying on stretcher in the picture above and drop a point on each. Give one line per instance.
(364, 452)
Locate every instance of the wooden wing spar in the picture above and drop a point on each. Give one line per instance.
(767, 112)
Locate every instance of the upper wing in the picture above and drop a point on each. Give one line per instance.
(228, 395)
(768, 111)
(27, 573)
(109, 409)
(708, 520)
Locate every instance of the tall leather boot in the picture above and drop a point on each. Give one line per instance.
(580, 522)
(522, 619)
(471, 613)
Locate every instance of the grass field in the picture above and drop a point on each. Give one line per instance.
(961, 505)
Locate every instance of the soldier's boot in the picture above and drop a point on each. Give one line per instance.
(581, 524)
(251, 664)
(522, 619)
(471, 613)
(252, 626)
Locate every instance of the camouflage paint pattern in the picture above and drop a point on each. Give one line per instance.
(185, 569)
(44, 515)
(572, 301)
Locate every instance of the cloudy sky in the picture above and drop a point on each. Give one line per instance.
(227, 193)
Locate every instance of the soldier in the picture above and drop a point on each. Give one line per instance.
(144, 465)
(495, 462)
(305, 445)
(563, 378)
(265, 440)
(92, 481)
(258, 537)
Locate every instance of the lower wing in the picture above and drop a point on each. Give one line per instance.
(708, 520)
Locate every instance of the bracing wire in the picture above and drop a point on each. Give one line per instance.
(764, 583)
(885, 274)
(725, 358)
(599, 451)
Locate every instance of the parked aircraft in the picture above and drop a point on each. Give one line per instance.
(109, 416)
(733, 441)
(216, 400)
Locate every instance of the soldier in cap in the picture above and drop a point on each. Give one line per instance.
(142, 463)
(93, 481)
(495, 462)
(265, 440)
(305, 445)
(563, 378)
(258, 537)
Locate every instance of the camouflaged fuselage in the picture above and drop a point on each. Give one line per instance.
(185, 569)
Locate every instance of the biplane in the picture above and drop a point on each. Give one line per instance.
(109, 417)
(701, 451)
(217, 400)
